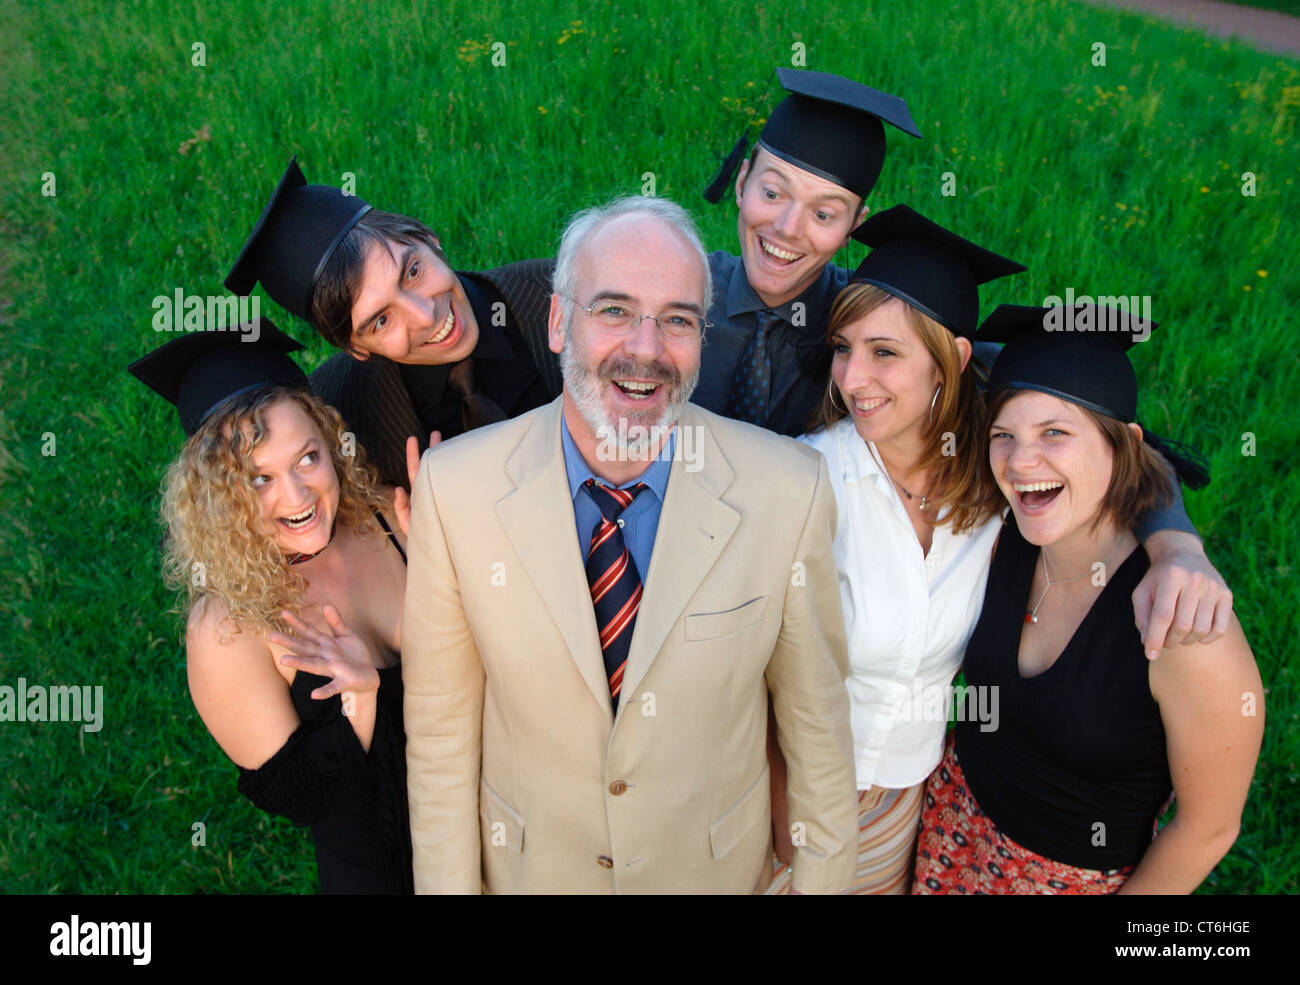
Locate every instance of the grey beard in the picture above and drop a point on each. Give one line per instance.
(634, 439)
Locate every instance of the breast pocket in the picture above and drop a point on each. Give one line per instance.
(501, 825)
(711, 625)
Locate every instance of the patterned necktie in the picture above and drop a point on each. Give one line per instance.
(615, 583)
(753, 384)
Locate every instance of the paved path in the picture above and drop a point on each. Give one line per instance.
(1267, 30)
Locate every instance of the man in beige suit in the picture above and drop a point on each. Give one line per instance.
(541, 756)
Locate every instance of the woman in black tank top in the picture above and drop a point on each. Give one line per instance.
(295, 577)
(1060, 793)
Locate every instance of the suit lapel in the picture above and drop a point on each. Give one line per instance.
(695, 526)
(538, 518)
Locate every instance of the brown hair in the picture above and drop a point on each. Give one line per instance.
(954, 451)
(336, 288)
(1140, 479)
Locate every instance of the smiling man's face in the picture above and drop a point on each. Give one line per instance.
(616, 381)
(791, 223)
(411, 308)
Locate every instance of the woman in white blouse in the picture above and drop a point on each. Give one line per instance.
(900, 428)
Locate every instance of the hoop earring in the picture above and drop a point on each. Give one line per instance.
(830, 395)
(933, 400)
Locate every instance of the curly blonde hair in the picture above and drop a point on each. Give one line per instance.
(215, 546)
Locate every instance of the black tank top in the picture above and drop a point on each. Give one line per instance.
(1076, 769)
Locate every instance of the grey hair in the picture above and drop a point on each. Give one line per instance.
(586, 222)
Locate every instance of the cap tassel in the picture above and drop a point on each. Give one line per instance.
(722, 180)
(1189, 465)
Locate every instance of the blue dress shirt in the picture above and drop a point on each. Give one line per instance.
(640, 519)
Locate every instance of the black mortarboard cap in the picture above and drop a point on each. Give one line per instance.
(200, 371)
(932, 269)
(828, 125)
(1078, 353)
(296, 234)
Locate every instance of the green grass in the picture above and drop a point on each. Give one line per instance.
(1123, 179)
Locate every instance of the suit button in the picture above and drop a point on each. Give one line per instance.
(604, 861)
(618, 787)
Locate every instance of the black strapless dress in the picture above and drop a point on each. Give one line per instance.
(354, 801)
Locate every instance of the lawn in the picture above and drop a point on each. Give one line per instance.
(160, 130)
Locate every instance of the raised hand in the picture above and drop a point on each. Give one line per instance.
(401, 498)
(338, 653)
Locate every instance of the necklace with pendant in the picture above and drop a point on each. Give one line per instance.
(1032, 615)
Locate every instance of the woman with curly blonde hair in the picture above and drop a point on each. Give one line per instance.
(295, 579)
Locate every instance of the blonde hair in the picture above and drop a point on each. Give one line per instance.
(215, 546)
(956, 478)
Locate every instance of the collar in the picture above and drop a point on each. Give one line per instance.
(816, 299)
(860, 462)
(859, 459)
(656, 476)
(492, 341)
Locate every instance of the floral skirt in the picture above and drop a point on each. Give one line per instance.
(961, 851)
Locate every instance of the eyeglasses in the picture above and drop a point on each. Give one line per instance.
(616, 318)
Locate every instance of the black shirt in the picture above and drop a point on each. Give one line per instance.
(504, 370)
(1076, 768)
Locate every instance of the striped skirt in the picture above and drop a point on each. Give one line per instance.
(887, 826)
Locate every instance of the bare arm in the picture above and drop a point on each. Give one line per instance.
(237, 691)
(1212, 705)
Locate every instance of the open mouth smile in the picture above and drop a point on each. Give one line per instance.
(637, 389)
(1036, 496)
(301, 521)
(778, 255)
(448, 324)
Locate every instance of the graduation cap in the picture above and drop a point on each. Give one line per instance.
(828, 125)
(1077, 352)
(200, 371)
(932, 269)
(296, 234)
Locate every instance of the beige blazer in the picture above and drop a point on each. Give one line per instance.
(521, 778)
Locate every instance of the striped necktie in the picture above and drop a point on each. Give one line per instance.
(752, 387)
(615, 583)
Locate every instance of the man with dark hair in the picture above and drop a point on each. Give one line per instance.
(425, 348)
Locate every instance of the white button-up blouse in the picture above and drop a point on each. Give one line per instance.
(908, 616)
